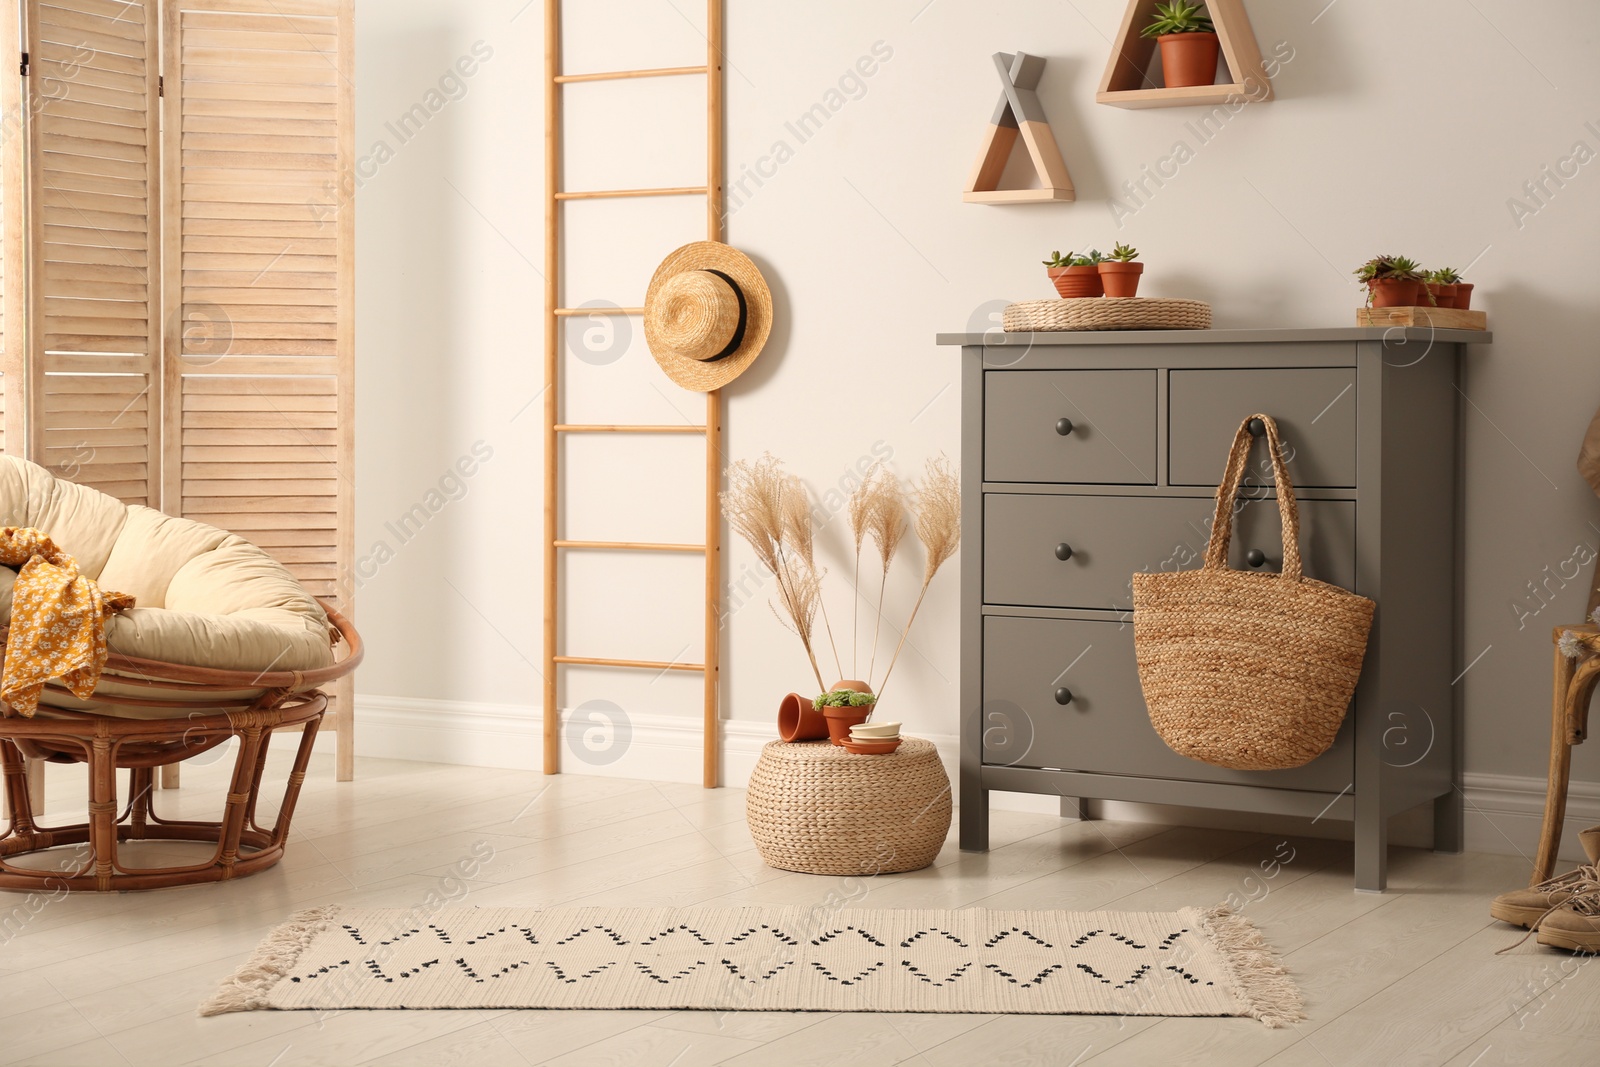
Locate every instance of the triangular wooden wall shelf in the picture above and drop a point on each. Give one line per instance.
(1019, 111)
(1131, 55)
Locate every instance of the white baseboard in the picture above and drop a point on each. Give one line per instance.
(1503, 812)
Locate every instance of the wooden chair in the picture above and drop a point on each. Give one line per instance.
(204, 707)
(1574, 685)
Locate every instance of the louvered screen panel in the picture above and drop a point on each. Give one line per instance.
(13, 238)
(95, 231)
(257, 143)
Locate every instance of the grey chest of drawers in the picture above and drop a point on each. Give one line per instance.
(1088, 457)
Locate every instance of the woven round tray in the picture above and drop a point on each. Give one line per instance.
(815, 808)
(1107, 313)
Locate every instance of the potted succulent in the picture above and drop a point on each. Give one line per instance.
(1188, 43)
(1075, 275)
(844, 708)
(1119, 272)
(1392, 281)
(1448, 288)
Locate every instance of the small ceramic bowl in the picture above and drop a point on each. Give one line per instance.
(875, 731)
(871, 748)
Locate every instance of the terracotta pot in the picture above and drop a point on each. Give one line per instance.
(1075, 282)
(1393, 293)
(800, 720)
(1444, 294)
(852, 684)
(1464, 296)
(1428, 295)
(1121, 279)
(1188, 59)
(841, 719)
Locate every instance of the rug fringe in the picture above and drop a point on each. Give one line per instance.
(249, 987)
(1263, 983)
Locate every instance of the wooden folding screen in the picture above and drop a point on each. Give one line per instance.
(13, 154)
(190, 240)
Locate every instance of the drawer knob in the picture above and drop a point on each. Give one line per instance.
(1063, 695)
(1257, 428)
(1255, 557)
(1063, 551)
(1063, 426)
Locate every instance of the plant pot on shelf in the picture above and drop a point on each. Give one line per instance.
(800, 720)
(1120, 279)
(1393, 292)
(1464, 296)
(1188, 59)
(841, 719)
(1074, 282)
(1428, 295)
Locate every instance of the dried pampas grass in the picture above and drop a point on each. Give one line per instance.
(886, 521)
(799, 537)
(754, 504)
(938, 525)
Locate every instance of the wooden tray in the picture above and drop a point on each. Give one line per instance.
(1439, 318)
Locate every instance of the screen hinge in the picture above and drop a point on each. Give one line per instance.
(161, 85)
(24, 64)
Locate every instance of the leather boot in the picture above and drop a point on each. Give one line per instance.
(1525, 907)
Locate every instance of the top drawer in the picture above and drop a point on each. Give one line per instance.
(1314, 407)
(1078, 426)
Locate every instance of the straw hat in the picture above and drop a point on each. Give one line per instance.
(706, 314)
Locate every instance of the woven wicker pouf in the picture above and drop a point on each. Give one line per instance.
(815, 808)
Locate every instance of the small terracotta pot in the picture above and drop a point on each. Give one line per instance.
(1428, 295)
(800, 720)
(1393, 293)
(1121, 279)
(1188, 59)
(1464, 296)
(1444, 294)
(1075, 282)
(841, 719)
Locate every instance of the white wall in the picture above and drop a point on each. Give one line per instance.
(1408, 128)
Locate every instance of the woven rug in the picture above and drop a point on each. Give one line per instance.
(1190, 962)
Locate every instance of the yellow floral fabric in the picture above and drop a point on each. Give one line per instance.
(58, 621)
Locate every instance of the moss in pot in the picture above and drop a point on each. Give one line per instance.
(1119, 272)
(844, 708)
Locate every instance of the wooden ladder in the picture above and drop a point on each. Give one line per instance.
(554, 429)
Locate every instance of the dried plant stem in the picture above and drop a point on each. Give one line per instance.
(793, 595)
(855, 611)
(828, 627)
(903, 634)
(877, 624)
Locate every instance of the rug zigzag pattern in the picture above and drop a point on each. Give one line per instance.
(1187, 963)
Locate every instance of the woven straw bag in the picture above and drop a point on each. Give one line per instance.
(1246, 669)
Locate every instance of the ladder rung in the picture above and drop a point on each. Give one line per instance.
(565, 312)
(596, 428)
(612, 194)
(640, 546)
(649, 664)
(612, 75)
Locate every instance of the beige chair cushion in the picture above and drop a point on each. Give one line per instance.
(206, 598)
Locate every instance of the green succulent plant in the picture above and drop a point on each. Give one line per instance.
(1089, 258)
(1058, 260)
(1179, 16)
(1123, 254)
(844, 698)
(1444, 276)
(1396, 268)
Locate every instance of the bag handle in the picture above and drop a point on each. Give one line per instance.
(1228, 491)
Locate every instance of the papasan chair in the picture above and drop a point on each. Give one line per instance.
(222, 642)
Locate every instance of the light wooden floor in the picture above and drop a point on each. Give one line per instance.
(1408, 977)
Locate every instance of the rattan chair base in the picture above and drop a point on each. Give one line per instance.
(1107, 313)
(243, 845)
(212, 713)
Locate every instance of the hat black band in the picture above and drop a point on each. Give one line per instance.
(738, 334)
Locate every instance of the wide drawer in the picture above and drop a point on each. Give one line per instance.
(1107, 539)
(1079, 426)
(1030, 665)
(1314, 407)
